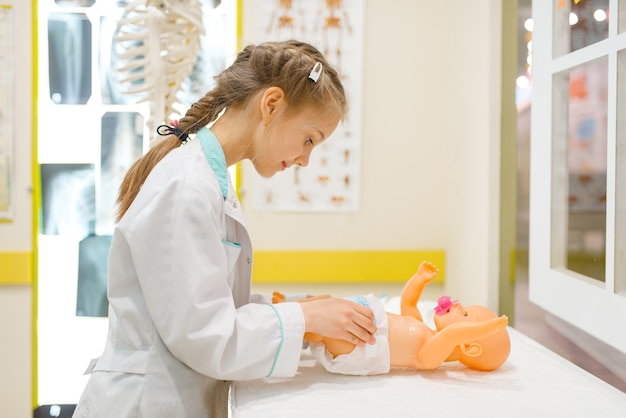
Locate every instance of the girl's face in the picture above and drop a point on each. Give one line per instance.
(289, 138)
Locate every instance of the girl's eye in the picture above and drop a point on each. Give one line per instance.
(465, 313)
(309, 141)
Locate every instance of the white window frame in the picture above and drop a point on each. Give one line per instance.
(591, 305)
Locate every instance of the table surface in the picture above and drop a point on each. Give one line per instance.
(534, 382)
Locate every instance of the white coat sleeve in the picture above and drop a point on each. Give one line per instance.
(182, 266)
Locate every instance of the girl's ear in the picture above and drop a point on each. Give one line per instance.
(271, 100)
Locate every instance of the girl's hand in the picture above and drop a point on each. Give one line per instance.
(341, 319)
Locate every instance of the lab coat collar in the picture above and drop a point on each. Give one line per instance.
(214, 155)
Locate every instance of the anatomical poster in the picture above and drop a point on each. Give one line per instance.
(6, 113)
(331, 182)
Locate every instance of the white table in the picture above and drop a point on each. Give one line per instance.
(534, 382)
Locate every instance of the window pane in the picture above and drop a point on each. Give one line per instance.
(121, 144)
(579, 169)
(107, 65)
(620, 177)
(75, 3)
(621, 26)
(69, 55)
(91, 287)
(68, 199)
(579, 24)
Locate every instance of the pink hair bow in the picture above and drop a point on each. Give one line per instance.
(444, 305)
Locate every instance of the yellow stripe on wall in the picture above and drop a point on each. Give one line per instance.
(342, 266)
(36, 202)
(16, 268)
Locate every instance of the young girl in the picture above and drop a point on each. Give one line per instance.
(181, 321)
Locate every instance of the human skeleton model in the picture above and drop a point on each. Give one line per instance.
(473, 335)
(158, 42)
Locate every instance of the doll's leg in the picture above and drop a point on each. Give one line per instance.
(412, 290)
(439, 348)
(334, 346)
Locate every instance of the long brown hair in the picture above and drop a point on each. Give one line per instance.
(282, 64)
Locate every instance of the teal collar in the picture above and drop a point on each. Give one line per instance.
(214, 155)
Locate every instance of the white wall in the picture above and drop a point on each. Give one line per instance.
(15, 351)
(431, 144)
(15, 300)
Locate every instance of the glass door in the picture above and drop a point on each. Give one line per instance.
(578, 176)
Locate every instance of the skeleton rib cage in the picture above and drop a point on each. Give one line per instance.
(157, 44)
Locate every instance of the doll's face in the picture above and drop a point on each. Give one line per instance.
(456, 312)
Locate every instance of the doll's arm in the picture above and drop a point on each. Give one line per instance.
(439, 348)
(278, 297)
(412, 290)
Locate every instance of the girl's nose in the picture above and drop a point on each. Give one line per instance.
(303, 159)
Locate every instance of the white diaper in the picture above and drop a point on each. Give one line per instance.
(369, 359)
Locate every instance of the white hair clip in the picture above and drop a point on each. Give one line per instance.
(316, 72)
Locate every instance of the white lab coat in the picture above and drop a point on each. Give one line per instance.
(180, 322)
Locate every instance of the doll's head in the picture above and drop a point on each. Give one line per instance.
(487, 353)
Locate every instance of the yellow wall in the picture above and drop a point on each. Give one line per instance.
(342, 266)
(16, 268)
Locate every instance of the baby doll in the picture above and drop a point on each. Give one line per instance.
(473, 335)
